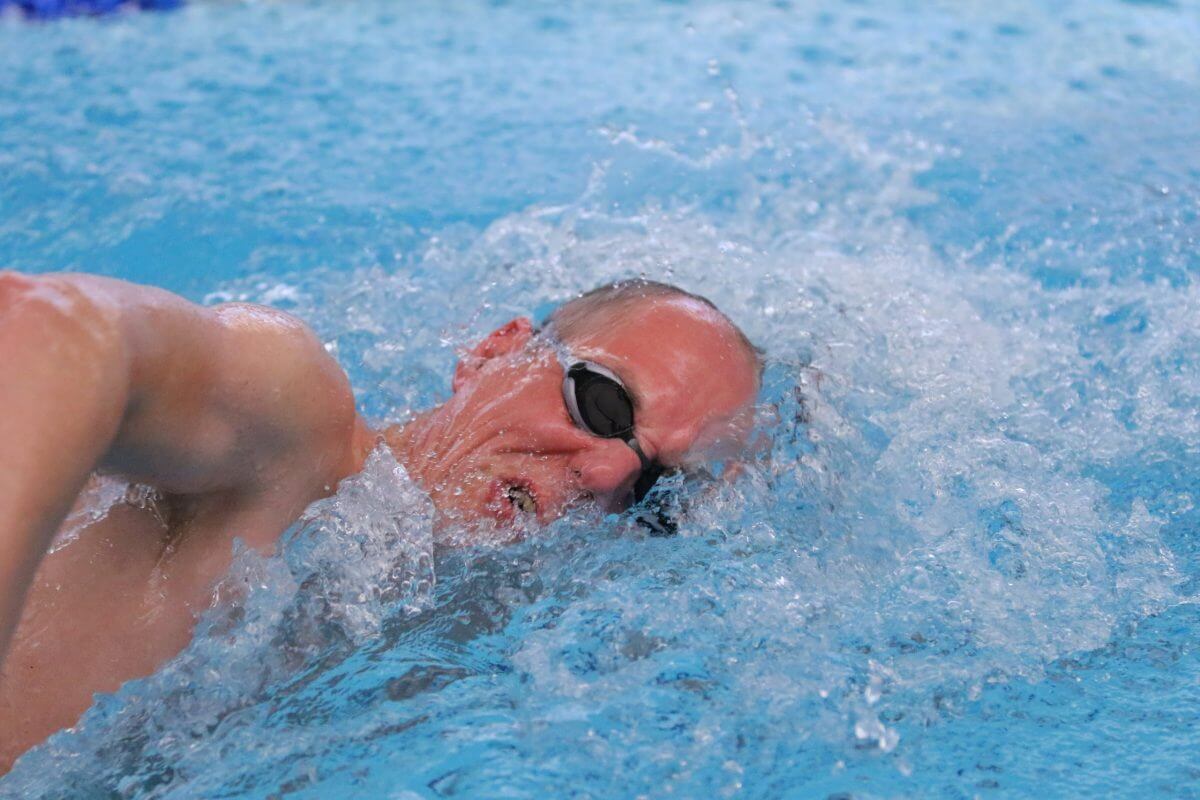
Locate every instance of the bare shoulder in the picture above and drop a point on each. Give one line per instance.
(273, 365)
(235, 397)
(269, 346)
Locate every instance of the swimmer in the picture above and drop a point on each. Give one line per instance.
(238, 418)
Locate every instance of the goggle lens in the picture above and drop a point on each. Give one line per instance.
(600, 405)
(604, 406)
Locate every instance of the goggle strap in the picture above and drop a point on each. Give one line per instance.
(637, 448)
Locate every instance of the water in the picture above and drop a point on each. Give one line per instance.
(965, 562)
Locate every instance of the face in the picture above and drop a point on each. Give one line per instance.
(505, 449)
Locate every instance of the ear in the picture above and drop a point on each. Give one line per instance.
(508, 338)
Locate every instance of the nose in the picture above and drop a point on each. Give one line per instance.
(607, 470)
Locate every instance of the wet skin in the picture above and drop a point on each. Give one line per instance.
(240, 419)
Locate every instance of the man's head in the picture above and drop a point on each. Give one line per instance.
(507, 442)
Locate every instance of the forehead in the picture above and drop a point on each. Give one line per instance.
(687, 369)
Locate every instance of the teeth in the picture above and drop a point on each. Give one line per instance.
(522, 499)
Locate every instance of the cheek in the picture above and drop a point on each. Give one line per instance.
(524, 406)
(491, 399)
(502, 432)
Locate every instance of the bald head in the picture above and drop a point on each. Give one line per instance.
(602, 307)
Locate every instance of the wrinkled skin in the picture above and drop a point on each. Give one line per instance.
(507, 425)
(239, 418)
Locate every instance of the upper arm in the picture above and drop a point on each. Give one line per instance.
(233, 402)
(232, 397)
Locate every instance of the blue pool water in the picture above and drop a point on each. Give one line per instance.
(968, 237)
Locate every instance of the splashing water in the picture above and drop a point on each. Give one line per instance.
(971, 268)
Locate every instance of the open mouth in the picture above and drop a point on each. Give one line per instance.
(511, 500)
(522, 499)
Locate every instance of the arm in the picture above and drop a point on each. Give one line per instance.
(102, 373)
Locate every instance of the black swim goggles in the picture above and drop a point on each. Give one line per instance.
(599, 404)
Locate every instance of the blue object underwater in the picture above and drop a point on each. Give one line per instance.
(965, 562)
(49, 9)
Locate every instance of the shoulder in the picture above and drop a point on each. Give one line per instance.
(276, 368)
(272, 346)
